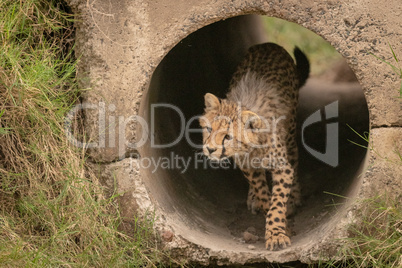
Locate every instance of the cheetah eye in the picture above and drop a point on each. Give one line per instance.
(228, 137)
(209, 129)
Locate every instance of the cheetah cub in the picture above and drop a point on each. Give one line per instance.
(256, 126)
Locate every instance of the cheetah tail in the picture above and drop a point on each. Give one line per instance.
(302, 65)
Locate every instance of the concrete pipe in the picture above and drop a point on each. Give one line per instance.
(149, 65)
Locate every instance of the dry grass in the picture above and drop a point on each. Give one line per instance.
(52, 212)
(375, 239)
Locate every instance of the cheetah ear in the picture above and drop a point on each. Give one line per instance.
(211, 102)
(251, 120)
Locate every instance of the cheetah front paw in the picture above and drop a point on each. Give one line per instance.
(276, 241)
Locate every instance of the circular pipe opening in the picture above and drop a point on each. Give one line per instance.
(207, 205)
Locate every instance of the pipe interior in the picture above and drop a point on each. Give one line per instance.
(208, 206)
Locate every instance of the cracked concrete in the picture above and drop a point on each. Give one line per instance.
(136, 53)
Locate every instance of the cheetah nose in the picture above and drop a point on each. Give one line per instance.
(211, 150)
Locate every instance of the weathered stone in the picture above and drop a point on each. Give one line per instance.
(167, 236)
(249, 237)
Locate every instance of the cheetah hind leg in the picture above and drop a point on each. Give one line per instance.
(252, 203)
(294, 200)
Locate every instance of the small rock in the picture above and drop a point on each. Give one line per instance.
(249, 238)
(251, 247)
(251, 230)
(167, 236)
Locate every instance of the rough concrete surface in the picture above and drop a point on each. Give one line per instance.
(136, 53)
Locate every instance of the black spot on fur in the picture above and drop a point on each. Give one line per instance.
(256, 174)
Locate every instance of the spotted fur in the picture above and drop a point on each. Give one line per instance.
(256, 125)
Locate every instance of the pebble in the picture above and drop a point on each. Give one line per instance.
(251, 230)
(249, 238)
(167, 236)
(251, 247)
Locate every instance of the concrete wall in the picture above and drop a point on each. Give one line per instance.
(127, 59)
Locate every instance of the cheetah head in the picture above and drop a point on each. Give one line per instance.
(228, 128)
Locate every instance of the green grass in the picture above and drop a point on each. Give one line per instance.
(287, 34)
(52, 210)
(375, 239)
